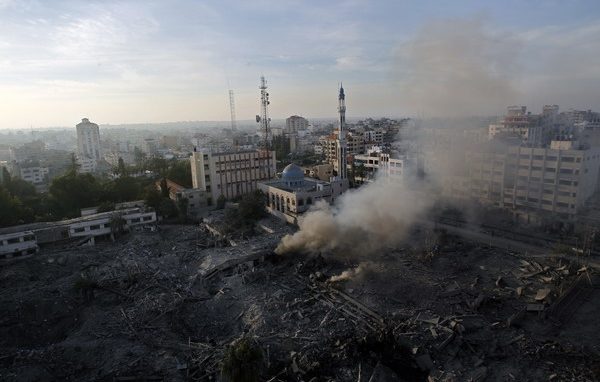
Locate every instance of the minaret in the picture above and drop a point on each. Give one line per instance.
(341, 141)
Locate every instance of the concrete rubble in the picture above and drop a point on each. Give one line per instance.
(165, 306)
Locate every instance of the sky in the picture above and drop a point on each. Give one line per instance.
(144, 61)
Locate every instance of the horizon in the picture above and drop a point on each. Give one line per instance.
(120, 62)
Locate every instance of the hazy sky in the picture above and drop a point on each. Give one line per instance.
(156, 61)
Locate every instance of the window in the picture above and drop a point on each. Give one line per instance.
(14, 240)
(538, 157)
(564, 182)
(146, 218)
(550, 169)
(80, 229)
(568, 159)
(566, 171)
(94, 227)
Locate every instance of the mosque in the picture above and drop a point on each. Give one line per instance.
(293, 193)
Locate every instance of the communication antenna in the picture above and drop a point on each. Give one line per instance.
(232, 110)
(265, 121)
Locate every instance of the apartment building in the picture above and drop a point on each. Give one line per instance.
(88, 145)
(231, 174)
(533, 183)
(295, 123)
(35, 175)
(376, 163)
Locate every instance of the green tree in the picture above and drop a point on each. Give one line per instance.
(167, 208)
(122, 168)
(123, 189)
(12, 211)
(252, 206)
(180, 172)
(152, 197)
(164, 188)
(71, 192)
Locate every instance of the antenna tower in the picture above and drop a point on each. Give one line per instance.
(265, 121)
(232, 109)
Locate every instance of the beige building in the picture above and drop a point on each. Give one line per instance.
(295, 123)
(293, 194)
(88, 145)
(231, 174)
(532, 182)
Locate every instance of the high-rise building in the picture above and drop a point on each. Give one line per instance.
(88, 144)
(295, 123)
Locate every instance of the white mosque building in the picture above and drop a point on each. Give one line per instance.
(293, 193)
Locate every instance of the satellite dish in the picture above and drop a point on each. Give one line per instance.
(258, 118)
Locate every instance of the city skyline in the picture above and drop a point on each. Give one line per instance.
(132, 62)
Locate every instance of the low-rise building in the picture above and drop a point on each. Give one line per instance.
(293, 194)
(376, 163)
(197, 199)
(35, 175)
(17, 244)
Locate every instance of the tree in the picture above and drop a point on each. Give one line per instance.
(139, 157)
(123, 189)
(180, 172)
(252, 206)
(164, 188)
(12, 211)
(122, 168)
(167, 208)
(243, 361)
(71, 192)
(153, 197)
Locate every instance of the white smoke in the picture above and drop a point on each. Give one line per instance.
(363, 221)
(458, 69)
(353, 273)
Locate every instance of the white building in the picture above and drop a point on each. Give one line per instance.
(88, 145)
(35, 175)
(293, 194)
(379, 164)
(17, 244)
(231, 174)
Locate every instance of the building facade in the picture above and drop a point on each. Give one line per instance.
(295, 123)
(88, 145)
(231, 174)
(293, 194)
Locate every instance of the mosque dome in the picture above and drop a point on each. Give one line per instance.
(292, 172)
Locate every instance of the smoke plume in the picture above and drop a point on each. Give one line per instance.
(353, 273)
(457, 68)
(363, 221)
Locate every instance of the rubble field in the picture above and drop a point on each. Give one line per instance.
(166, 306)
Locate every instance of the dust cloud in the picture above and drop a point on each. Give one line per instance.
(457, 68)
(364, 221)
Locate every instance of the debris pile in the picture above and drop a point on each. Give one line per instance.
(176, 304)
